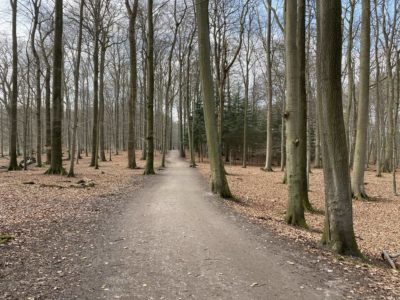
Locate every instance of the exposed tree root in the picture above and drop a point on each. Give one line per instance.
(149, 172)
(14, 168)
(57, 171)
(291, 220)
(71, 174)
(362, 196)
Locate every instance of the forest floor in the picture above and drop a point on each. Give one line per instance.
(35, 209)
(262, 196)
(125, 236)
(31, 197)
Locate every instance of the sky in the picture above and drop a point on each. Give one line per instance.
(5, 20)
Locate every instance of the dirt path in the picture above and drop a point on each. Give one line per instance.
(174, 240)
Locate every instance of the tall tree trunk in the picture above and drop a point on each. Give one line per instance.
(68, 117)
(94, 158)
(388, 45)
(318, 130)
(87, 117)
(246, 78)
(26, 104)
(387, 164)
(353, 126)
(302, 102)
(168, 87)
(149, 169)
(36, 6)
(293, 112)
(47, 81)
(268, 159)
(1, 131)
(350, 75)
(102, 141)
(71, 172)
(338, 231)
(144, 93)
(219, 184)
(180, 104)
(396, 111)
(14, 94)
(360, 152)
(189, 112)
(377, 96)
(56, 166)
(283, 136)
(116, 108)
(132, 12)
(123, 92)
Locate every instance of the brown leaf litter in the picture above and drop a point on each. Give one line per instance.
(262, 196)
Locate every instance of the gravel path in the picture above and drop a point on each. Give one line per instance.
(175, 240)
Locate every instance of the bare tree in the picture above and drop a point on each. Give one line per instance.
(295, 211)
(178, 22)
(219, 184)
(56, 166)
(14, 93)
(360, 153)
(71, 172)
(338, 231)
(36, 6)
(149, 169)
(132, 13)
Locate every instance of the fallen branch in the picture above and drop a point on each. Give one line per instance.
(391, 259)
(80, 185)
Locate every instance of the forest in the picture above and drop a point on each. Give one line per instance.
(288, 109)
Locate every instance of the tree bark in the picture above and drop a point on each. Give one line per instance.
(36, 6)
(350, 76)
(388, 45)
(246, 79)
(293, 112)
(71, 172)
(189, 112)
(302, 102)
(47, 81)
(95, 130)
(338, 231)
(378, 118)
(360, 152)
(149, 169)
(268, 159)
(13, 166)
(132, 13)
(101, 129)
(219, 184)
(168, 87)
(180, 103)
(56, 166)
